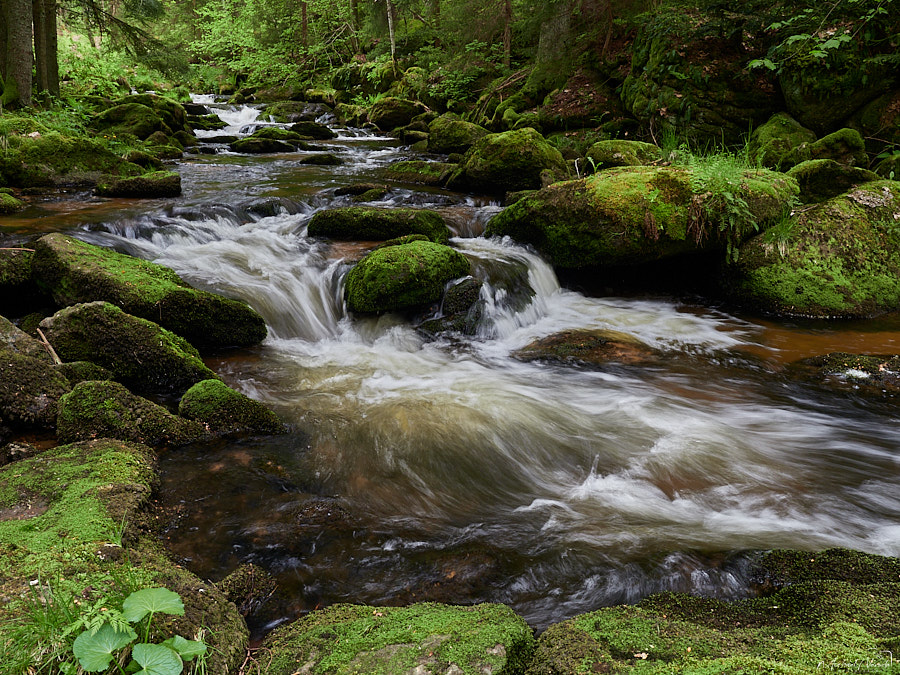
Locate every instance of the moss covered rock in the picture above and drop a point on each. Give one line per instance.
(448, 133)
(288, 112)
(224, 410)
(774, 143)
(141, 354)
(17, 340)
(73, 271)
(70, 519)
(418, 171)
(593, 347)
(314, 130)
(509, 161)
(608, 154)
(30, 389)
(18, 292)
(321, 159)
(403, 277)
(82, 371)
(421, 638)
(157, 184)
(840, 258)
(362, 223)
(104, 409)
(870, 374)
(391, 112)
(632, 215)
(9, 204)
(822, 179)
(132, 118)
(261, 146)
(171, 112)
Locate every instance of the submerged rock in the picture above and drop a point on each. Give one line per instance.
(594, 347)
(224, 410)
(421, 638)
(154, 185)
(840, 258)
(73, 271)
(104, 409)
(138, 352)
(403, 277)
(509, 161)
(365, 223)
(633, 215)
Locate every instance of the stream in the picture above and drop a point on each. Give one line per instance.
(445, 469)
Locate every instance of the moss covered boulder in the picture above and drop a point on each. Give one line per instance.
(132, 118)
(822, 179)
(403, 277)
(104, 409)
(391, 112)
(171, 112)
(73, 271)
(16, 340)
(9, 204)
(840, 258)
(633, 215)
(314, 130)
(608, 154)
(141, 354)
(588, 347)
(509, 161)
(70, 519)
(154, 185)
(363, 223)
(260, 146)
(418, 171)
(448, 133)
(774, 143)
(30, 388)
(421, 638)
(223, 410)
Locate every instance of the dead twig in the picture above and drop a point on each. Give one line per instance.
(56, 360)
(16, 248)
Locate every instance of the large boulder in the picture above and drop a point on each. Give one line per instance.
(261, 146)
(156, 184)
(172, 113)
(840, 258)
(774, 143)
(422, 638)
(363, 223)
(403, 277)
(509, 161)
(132, 118)
(104, 409)
(140, 354)
(73, 271)
(30, 388)
(391, 112)
(221, 409)
(448, 133)
(634, 215)
(834, 607)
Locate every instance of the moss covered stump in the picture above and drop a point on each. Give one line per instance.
(403, 277)
(421, 638)
(141, 354)
(104, 409)
(361, 223)
(72, 271)
(154, 185)
(223, 410)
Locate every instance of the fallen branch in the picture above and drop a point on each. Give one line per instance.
(49, 348)
(16, 248)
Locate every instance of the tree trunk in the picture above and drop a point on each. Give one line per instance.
(507, 32)
(17, 84)
(390, 18)
(4, 22)
(304, 25)
(354, 11)
(45, 57)
(436, 13)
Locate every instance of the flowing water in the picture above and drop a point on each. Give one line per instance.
(445, 469)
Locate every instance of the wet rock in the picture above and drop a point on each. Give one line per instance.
(460, 312)
(823, 179)
(196, 109)
(368, 223)
(14, 452)
(314, 130)
(594, 347)
(391, 112)
(321, 159)
(448, 133)
(104, 409)
(226, 139)
(418, 171)
(403, 277)
(224, 410)
(374, 195)
(634, 215)
(608, 154)
(260, 146)
(141, 354)
(865, 373)
(289, 112)
(73, 271)
(30, 389)
(836, 259)
(248, 588)
(155, 185)
(358, 188)
(425, 637)
(509, 161)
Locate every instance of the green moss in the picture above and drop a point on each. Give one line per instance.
(73, 271)
(774, 143)
(426, 637)
(132, 118)
(224, 410)
(29, 390)
(261, 146)
(403, 277)
(82, 371)
(448, 133)
(417, 171)
(17, 340)
(138, 352)
(157, 184)
(313, 130)
(9, 204)
(607, 154)
(322, 159)
(391, 112)
(104, 409)
(361, 223)
(823, 179)
(277, 134)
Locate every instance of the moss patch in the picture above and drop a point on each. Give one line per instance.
(823, 179)
(224, 410)
(417, 171)
(607, 154)
(156, 184)
(426, 637)
(448, 134)
(362, 223)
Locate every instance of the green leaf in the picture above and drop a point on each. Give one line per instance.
(140, 603)
(187, 649)
(156, 660)
(95, 651)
